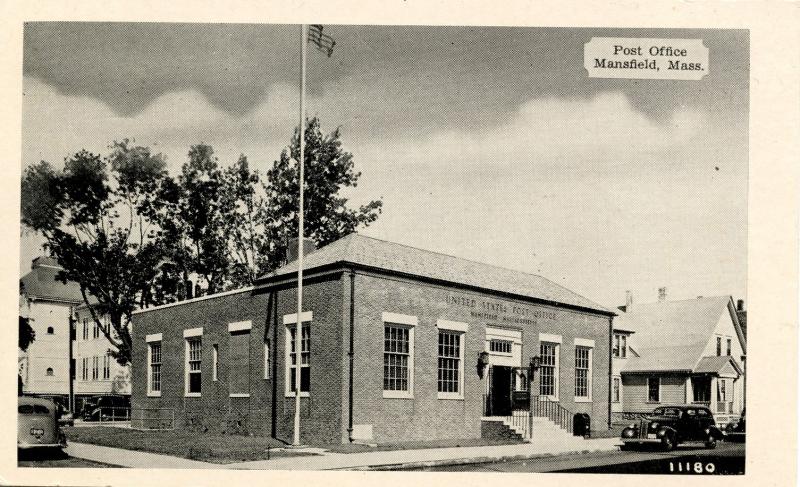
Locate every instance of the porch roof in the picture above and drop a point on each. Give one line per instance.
(722, 366)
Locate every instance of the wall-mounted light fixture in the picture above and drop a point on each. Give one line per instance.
(483, 361)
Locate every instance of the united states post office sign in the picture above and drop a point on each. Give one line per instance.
(500, 311)
(639, 58)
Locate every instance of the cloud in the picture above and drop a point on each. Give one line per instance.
(56, 125)
(606, 130)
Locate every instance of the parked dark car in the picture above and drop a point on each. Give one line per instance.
(670, 426)
(106, 408)
(735, 430)
(37, 424)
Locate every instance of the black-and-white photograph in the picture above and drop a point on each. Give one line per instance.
(382, 247)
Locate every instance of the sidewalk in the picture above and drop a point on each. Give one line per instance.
(337, 461)
(131, 458)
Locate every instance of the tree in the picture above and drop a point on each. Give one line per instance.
(242, 205)
(97, 218)
(202, 215)
(328, 170)
(26, 333)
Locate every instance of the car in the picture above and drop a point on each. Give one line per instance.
(670, 426)
(64, 416)
(37, 424)
(735, 430)
(103, 408)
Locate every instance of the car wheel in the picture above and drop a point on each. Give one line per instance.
(667, 442)
(711, 441)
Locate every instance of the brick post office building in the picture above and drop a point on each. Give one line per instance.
(398, 344)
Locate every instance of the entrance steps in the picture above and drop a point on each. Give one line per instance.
(543, 431)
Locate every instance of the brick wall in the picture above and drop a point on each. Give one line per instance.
(426, 416)
(267, 411)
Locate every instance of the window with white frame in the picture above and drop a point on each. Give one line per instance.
(719, 346)
(154, 368)
(450, 363)
(500, 346)
(548, 370)
(620, 349)
(86, 328)
(194, 360)
(583, 372)
(396, 357)
(95, 368)
(267, 365)
(106, 367)
(653, 389)
(305, 359)
(95, 331)
(85, 368)
(728, 347)
(615, 390)
(214, 362)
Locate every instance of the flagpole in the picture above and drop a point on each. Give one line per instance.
(298, 335)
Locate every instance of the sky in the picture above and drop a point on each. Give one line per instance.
(490, 144)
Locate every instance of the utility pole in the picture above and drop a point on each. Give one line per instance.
(71, 334)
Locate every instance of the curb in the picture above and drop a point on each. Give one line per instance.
(470, 461)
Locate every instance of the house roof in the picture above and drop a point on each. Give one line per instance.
(41, 283)
(373, 253)
(671, 335)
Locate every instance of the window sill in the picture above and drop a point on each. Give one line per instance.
(548, 398)
(583, 399)
(154, 394)
(302, 394)
(397, 395)
(652, 402)
(192, 394)
(450, 396)
(239, 395)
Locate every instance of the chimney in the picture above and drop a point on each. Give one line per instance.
(740, 305)
(291, 250)
(628, 301)
(662, 294)
(44, 261)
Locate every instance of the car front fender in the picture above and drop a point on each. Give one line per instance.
(666, 430)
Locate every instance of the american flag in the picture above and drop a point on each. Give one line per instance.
(324, 42)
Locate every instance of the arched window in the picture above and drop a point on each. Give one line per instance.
(49, 371)
(50, 330)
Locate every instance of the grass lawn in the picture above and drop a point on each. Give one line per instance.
(217, 448)
(54, 459)
(204, 447)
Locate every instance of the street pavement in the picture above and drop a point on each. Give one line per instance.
(726, 458)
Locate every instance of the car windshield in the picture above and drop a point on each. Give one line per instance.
(670, 412)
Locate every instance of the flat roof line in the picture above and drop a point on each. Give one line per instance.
(194, 300)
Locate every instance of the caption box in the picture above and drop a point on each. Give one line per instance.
(637, 58)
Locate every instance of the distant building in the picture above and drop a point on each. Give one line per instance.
(45, 367)
(96, 371)
(686, 352)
